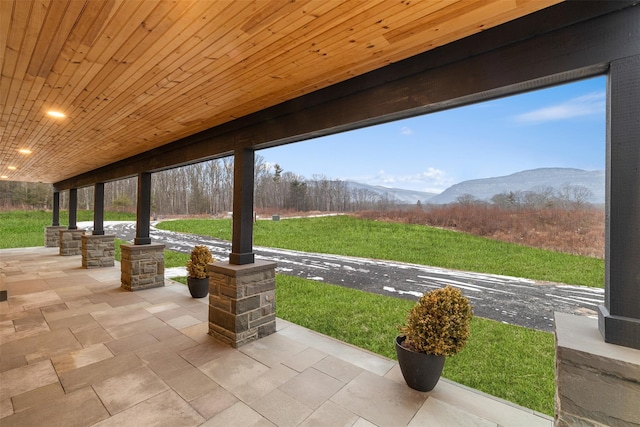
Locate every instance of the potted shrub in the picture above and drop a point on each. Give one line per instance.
(197, 277)
(436, 327)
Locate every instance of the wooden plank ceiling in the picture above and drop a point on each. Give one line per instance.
(132, 75)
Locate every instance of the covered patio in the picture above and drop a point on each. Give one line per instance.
(96, 91)
(77, 350)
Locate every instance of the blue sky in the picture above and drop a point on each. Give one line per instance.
(563, 126)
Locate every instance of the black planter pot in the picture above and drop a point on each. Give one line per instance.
(421, 371)
(199, 288)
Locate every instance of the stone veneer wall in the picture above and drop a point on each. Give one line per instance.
(52, 235)
(597, 384)
(71, 242)
(242, 301)
(98, 250)
(142, 266)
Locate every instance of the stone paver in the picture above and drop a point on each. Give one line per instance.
(380, 400)
(164, 410)
(128, 389)
(79, 408)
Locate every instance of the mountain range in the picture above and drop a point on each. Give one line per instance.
(398, 194)
(486, 188)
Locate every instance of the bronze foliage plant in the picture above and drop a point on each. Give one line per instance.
(197, 265)
(439, 323)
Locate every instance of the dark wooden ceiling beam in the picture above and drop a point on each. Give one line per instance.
(560, 44)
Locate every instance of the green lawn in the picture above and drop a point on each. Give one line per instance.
(345, 235)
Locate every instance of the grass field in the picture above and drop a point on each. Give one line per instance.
(345, 235)
(578, 231)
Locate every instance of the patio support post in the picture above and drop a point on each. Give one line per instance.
(70, 241)
(597, 382)
(242, 292)
(619, 317)
(143, 210)
(242, 239)
(98, 249)
(98, 209)
(142, 264)
(56, 209)
(52, 232)
(73, 208)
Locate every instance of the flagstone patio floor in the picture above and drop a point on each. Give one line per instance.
(77, 350)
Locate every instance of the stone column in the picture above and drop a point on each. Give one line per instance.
(98, 250)
(597, 384)
(242, 301)
(142, 266)
(52, 235)
(71, 242)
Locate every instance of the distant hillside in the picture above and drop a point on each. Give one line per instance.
(397, 194)
(529, 180)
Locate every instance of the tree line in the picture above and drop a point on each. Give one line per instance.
(567, 196)
(207, 188)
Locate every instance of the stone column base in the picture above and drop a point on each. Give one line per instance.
(142, 266)
(52, 236)
(597, 384)
(242, 301)
(98, 250)
(71, 242)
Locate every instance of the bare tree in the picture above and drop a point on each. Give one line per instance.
(466, 199)
(574, 196)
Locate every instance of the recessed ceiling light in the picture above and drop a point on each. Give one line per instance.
(24, 151)
(11, 168)
(4, 177)
(56, 114)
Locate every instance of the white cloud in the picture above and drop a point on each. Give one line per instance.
(432, 180)
(586, 105)
(406, 130)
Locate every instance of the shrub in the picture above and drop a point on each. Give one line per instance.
(197, 265)
(439, 323)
